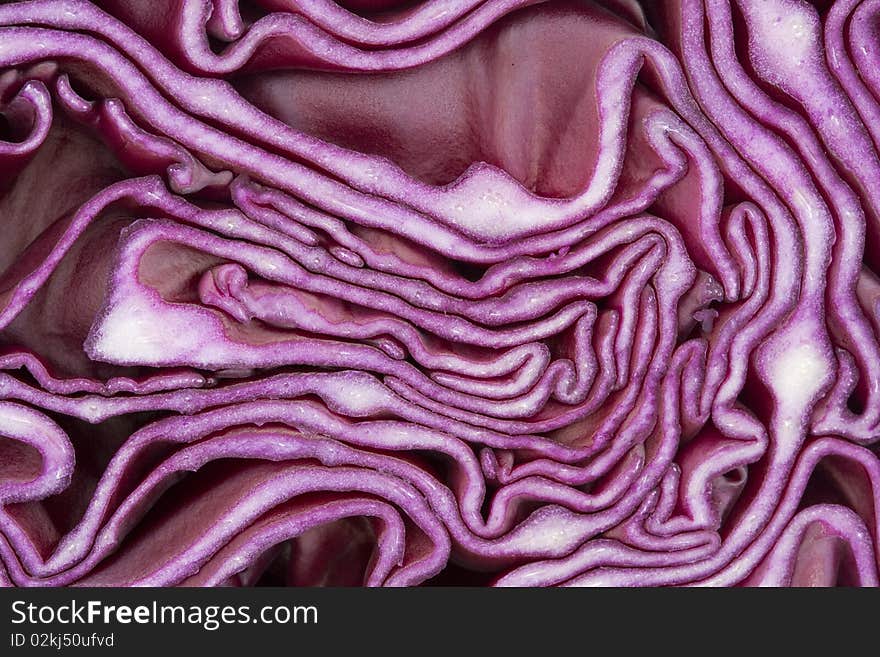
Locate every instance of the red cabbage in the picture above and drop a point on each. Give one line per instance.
(381, 292)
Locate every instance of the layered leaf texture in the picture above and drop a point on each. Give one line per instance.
(498, 292)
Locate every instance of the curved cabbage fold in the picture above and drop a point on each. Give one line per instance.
(497, 292)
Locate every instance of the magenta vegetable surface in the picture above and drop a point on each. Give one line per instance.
(497, 292)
